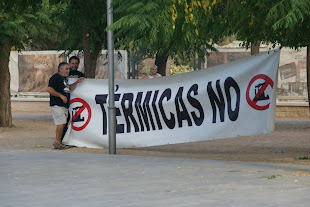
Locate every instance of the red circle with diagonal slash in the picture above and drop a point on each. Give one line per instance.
(85, 106)
(250, 101)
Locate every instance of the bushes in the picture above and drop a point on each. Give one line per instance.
(177, 69)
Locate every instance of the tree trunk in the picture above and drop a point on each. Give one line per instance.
(94, 57)
(93, 60)
(86, 51)
(5, 98)
(255, 47)
(308, 73)
(161, 63)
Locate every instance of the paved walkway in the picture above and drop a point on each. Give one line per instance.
(32, 178)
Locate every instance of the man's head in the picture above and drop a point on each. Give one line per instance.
(153, 70)
(63, 69)
(74, 62)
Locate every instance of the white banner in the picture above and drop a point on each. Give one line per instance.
(235, 99)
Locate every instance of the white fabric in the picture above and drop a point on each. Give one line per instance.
(151, 76)
(213, 103)
(13, 67)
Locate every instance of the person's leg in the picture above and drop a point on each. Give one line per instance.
(60, 118)
(59, 131)
(65, 127)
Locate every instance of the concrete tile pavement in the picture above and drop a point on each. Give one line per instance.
(32, 178)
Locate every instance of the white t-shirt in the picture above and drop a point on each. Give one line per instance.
(151, 76)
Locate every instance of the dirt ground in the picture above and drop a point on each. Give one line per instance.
(290, 141)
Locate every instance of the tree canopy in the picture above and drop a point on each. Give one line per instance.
(84, 24)
(19, 22)
(290, 20)
(165, 27)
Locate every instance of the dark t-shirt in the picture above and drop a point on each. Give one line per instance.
(60, 84)
(76, 73)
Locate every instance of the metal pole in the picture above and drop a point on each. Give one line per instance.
(194, 60)
(199, 63)
(133, 67)
(111, 108)
(132, 60)
(137, 64)
(137, 69)
(128, 64)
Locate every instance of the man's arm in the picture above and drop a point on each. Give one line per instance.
(53, 92)
(73, 85)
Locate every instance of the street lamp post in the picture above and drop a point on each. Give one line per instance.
(111, 107)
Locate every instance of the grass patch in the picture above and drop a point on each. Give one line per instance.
(271, 176)
(303, 158)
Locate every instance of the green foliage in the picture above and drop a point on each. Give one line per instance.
(271, 176)
(19, 5)
(290, 20)
(303, 158)
(287, 13)
(177, 69)
(285, 22)
(74, 14)
(25, 23)
(140, 25)
(165, 27)
(226, 40)
(187, 59)
(247, 20)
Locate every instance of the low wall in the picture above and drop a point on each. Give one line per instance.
(30, 105)
(292, 110)
(284, 110)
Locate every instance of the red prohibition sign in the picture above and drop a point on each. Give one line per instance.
(84, 106)
(250, 101)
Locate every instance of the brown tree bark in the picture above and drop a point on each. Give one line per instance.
(94, 57)
(308, 72)
(92, 71)
(86, 52)
(255, 47)
(161, 63)
(5, 97)
(161, 60)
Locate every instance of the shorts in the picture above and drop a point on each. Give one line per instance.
(60, 114)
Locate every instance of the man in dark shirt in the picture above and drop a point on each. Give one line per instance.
(59, 90)
(74, 62)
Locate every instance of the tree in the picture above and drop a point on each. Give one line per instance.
(20, 22)
(85, 23)
(290, 21)
(140, 25)
(284, 22)
(247, 20)
(50, 35)
(166, 28)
